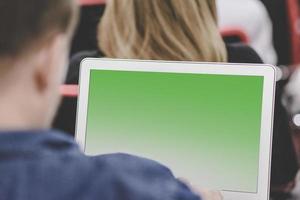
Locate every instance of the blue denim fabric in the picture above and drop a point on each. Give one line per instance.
(48, 165)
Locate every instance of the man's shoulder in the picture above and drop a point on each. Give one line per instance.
(121, 163)
(51, 166)
(117, 177)
(140, 178)
(122, 176)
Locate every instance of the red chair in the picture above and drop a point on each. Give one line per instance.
(294, 25)
(234, 34)
(69, 90)
(91, 2)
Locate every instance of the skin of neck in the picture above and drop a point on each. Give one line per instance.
(20, 105)
(29, 86)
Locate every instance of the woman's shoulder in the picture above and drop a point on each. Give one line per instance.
(241, 53)
(74, 66)
(237, 53)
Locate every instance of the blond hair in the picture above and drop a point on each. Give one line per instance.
(162, 30)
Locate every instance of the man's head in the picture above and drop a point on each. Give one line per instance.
(34, 43)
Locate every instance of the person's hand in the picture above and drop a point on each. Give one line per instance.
(205, 194)
(209, 194)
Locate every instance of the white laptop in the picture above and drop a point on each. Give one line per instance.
(210, 123)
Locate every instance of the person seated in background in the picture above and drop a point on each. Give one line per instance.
(39, 163)
(252, 17)
(162, 30)
(175, 30)
(149, 30)
(279, 13)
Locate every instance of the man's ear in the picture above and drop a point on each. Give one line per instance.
(47, 62)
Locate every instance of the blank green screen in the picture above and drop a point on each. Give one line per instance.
(205, 128)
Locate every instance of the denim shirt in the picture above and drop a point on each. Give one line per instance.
(48, 165)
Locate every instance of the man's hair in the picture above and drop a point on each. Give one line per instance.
(25, 22)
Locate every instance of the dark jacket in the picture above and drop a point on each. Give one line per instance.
(48, 165)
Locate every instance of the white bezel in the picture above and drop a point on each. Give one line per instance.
(267, 71)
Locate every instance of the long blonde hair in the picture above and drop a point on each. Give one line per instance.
(162, 30)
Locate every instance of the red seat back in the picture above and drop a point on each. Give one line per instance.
(294, 24)
(69, 90)
(91, 2)
(235, 32)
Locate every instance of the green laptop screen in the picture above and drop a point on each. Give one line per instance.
(205, 128)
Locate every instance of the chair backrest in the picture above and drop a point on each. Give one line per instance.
(91, 2)
(234, 34)
(69, 90)
(293, 11)
(85, 37)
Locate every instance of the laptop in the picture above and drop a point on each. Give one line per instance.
(210, 123)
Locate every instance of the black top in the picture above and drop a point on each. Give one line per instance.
(48, 165)
(284, 163)
(237, 53)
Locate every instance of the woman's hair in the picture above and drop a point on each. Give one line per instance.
(162, 30)
(26, 22)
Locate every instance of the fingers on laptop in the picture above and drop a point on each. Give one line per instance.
(205, 194)
(210, 194)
